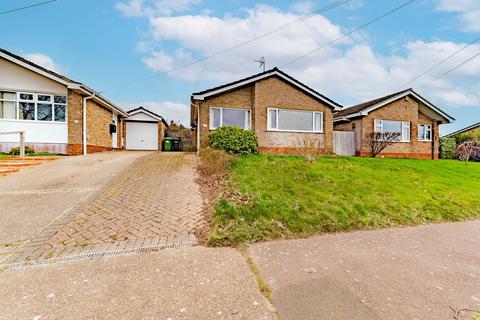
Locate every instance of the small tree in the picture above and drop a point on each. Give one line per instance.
(310, 147)
(447, 148)
(469, 150)
(379, 141)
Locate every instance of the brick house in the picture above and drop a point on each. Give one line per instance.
(280, 109)
(472, 131)
(57, 114)
(406, 112)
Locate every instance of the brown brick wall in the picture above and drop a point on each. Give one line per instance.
(271, 92)
(75, 118)
(98, 125)
(401, 110)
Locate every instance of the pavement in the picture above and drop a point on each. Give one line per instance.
(34, 197)
(399, 273)
(187, 283)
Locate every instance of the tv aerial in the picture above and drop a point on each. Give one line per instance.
(261, 61)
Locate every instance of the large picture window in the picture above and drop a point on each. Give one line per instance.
(402, 127)
(424, 132)
(220, 117)
(294, 120)
(32, 106)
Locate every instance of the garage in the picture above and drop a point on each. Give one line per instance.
(144, 130)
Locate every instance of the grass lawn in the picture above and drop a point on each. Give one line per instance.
(284, 196)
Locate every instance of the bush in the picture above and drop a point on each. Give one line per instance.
(16, 151)
(448, 146)
(469, 150)
(234, 140)
(215, 162)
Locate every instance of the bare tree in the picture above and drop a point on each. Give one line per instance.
(468, 150)
(379, 141)
(310, 147)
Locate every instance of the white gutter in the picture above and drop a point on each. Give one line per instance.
(84, 133)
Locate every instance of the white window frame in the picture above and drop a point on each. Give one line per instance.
(314, 113)
(428, 127)
(405, 128)
(248, 117)
(35, 101)
(9, 100)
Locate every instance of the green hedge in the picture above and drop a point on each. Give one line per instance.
(234, 140)
(448, 146)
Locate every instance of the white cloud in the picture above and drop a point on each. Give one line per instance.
(353, 4)
(139, 8)
(303, 7)
(349, 72)
(42, 60)
(469, 11)
(170, 111)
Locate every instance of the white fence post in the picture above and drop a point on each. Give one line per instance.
(22, 140)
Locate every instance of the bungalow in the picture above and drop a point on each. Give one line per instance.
(56, 113)
(280, 109)
(405, 112)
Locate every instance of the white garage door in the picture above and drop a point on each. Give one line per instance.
(142, 136)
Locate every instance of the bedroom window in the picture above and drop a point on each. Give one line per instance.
(294, 120)
(32, 106)
(403, 127)
(425, 132)
(220, 117)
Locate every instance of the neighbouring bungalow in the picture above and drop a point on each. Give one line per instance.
(405, 112)
(280, 109)
(472, 131)
(63, 116)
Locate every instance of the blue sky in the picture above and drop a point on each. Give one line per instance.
(109, 44)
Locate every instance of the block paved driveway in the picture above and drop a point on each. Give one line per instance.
(154, 201)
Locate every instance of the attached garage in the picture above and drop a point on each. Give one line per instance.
(144, 130)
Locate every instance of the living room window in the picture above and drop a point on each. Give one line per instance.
(403, 127)
(32, 106)
(220, 117)
(425, 132)
(294, 120)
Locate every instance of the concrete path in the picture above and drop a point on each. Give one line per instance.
(188, 283)
(34, 197)
(408, 273)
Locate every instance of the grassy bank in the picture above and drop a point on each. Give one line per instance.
(284, 196)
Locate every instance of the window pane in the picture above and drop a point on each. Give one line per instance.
(428, 133)
(60, 112)
(8, 96)
(60, 99)
(8, 110)
(236, 118)
(215, 118)
(44, 112)
(27, 111)
(318, 122)
(421, 132)
(44, 98)
(295, 120)
(26, 96)
(273, 119)
(392, 126)
(405, 131)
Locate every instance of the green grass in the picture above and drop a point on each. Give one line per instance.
(35, 154)
(285, 197)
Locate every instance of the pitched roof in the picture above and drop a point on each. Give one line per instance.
(364, 108)
(151, 113)
(275, 72)
(473, 126)
(71, 84)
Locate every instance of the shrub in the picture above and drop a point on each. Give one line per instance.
(310, 147)
(16, 151)
(215, 162)
(234, 140)
(469, 150)
(448, 147)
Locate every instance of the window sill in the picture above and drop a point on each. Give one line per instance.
(33, 121)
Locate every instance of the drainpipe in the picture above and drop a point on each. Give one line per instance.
(198, 128)
(84, 139)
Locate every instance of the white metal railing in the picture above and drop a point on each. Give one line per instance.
(22, 140)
